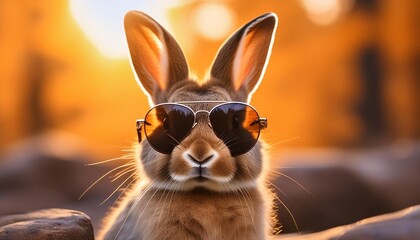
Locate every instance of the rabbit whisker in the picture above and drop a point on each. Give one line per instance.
(241, 197)
(288, 211)
(99, 179)
(125, 189)
(123, 172)
(239, 142)
(143, 193)
(110, 160)
(145, 207)
(284, 141)
(280, 190)
(220, 139)
(293, 180)
(118, 188)
(246, 199)
(166, 198)
(230, 142)
(247, 195)
(175, 140)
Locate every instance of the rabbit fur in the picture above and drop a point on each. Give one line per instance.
(235, 202)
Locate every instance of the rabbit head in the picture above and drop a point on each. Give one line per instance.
(201, 159)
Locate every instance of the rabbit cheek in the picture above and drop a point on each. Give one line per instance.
(248, 166)
(154, 164)
(157, 168)
(179, 168)
(222, 170)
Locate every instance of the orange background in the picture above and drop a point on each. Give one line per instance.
(318, 90)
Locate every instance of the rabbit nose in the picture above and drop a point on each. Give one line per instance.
(200, 152)
(200, 161)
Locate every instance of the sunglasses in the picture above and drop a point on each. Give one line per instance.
(237, 124)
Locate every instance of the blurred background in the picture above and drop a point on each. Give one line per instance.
(344, 76)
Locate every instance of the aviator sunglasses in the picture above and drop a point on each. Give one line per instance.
(237, 124)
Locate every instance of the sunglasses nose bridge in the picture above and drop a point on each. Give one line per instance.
(202, 112)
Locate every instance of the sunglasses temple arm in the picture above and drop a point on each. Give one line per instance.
(139, 125)
(263, 123)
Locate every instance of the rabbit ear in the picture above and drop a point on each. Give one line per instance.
(156, 56)
(242, 60)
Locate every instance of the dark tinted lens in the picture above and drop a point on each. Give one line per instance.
(237, 124)
(167, 125)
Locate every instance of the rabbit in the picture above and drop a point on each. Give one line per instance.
(229, 199)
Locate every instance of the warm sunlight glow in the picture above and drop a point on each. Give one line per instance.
(324, 12)
(213, 20)
(102, 21)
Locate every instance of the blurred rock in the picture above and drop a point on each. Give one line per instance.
(50, 171)
(329, 197)
(47, 224)
(345, 186)
(401, 225)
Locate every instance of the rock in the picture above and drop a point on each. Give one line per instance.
(333, 196)
(401, 225)
(50, 171)
(47, 224)
(345, 186)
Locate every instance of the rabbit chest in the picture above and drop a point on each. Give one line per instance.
(201, 214)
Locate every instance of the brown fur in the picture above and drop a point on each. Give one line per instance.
(198, 214)
(169, 203)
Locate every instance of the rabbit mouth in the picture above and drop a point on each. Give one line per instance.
(204, 183)
(201, 172)
(200, 178)
(202, 175)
